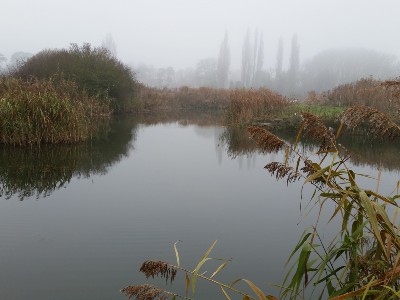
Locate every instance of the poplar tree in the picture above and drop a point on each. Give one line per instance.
(247, 61)
(110, 45)
(279, 59)
(224, 60)
(294, 63)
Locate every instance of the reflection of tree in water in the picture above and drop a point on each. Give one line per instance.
(380, 152)
(363, 152)
(40, 171)
(238, 142)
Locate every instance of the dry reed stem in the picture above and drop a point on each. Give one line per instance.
(379, 124)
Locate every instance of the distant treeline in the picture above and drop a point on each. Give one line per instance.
(321, 72)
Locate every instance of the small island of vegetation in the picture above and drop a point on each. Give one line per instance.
(61, 96)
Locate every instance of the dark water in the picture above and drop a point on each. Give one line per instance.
(76, 222)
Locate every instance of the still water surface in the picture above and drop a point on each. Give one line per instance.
(76, 222)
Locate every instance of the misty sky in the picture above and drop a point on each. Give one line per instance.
(179, 33)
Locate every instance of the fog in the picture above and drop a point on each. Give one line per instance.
(180, 33)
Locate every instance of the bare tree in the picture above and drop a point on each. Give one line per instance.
(3, 60)
(258, 60)
(294, 63)
(279, 59)
(224, 60)
(260, 54)
(109, 44)
(247, 61)
(206, 72)
(18, 58)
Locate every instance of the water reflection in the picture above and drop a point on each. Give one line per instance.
(363, 153)
(40, 171)
(27, 172)
(184, 117)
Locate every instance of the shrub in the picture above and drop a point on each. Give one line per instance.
(94, 70)
(35, 112)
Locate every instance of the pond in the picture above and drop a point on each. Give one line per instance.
(76, 222)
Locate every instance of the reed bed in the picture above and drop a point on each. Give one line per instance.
(383, 96)
(203, 98)
(33, 112)
(246, 105)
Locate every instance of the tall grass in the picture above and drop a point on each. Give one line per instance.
(246, 105)
(184, 98)
(368, 92)
(239, 104)
(34, 112)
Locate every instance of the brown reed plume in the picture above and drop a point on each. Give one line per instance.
(379, 124)
(144, 292)
(158, 268)
(315, 128)
(280, 171)
(308, 168)
(266, 140)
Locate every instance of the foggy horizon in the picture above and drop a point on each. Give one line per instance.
(180, 33)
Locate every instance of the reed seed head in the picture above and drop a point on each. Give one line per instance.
(315, 128)
(158, 268)
(144, 292)
(265, 139)
(308, 168)
(379, 124)
(280, 171)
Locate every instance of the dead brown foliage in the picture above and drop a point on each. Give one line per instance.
(153, 99)
(245, 105)
(144, 292)
(384, 96)
(315, 128)
(158, 268)
(377, 123)
(265, 139)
